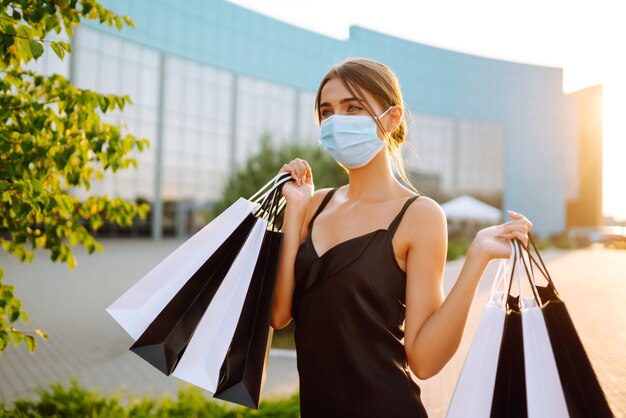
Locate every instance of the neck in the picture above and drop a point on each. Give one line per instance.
(373, 182)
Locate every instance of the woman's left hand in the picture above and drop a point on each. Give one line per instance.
(493, 241)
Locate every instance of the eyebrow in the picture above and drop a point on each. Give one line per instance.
(347, 99)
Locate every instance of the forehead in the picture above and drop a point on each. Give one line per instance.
(334, 91)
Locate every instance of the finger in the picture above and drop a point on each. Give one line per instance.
(300, 167)
(510, 228)
(289, 169)
(307, 166)
(515, 234)
(308, 177)
(286, 168)
(519, 216)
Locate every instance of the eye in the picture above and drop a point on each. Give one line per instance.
(324, 113)
(355, 107)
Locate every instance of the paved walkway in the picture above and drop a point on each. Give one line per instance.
(87, 343)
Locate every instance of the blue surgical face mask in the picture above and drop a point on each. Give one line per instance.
(351, 139)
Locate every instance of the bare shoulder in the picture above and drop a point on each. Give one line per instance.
(425, 206)
(425, 217)
(316, 200)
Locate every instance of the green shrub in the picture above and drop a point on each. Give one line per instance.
(264, 165)
(192, 402)
(457, 247)
(61, 402)
(561, 240)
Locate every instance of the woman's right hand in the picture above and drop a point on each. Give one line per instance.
(299, 191)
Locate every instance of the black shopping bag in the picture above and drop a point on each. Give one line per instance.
(164, 341)
(583, 394)
(509, 395)
(242, 373)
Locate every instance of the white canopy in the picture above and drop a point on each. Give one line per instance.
(466, 207)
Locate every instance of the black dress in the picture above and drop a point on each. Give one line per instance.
(348, 310)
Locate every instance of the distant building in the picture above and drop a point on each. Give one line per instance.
(585, 208)
(208, 78)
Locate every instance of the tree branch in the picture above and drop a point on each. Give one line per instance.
(25, 37)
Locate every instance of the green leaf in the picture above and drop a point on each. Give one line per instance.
(4, 339)
(51, 22)
(71, 262)
(41, 333)
(36, 183)
(31, 342)
(66, 46)
(36, 48)
(65, 203)
(58, 49)
(25, 31)
(14, 314)
(17, 337)
(9, 29)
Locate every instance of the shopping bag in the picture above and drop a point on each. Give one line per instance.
(583, 394)
(163, 309)
(242, 374)
(509, 395)
(544, 394)
(139, 306)
(473, 392)
(204, 355)
(165, 339)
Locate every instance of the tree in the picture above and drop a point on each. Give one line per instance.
(260, 168)
(52, 140)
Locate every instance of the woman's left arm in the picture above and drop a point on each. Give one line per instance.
(434, 326)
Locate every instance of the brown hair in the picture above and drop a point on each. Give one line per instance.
(381, 82)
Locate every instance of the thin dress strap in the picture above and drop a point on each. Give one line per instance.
(327, 197)
(396, 221)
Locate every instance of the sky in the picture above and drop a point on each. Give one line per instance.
(587, 39)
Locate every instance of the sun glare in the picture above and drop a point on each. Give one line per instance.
(614, 148)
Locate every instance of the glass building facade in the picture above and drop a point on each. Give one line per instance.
(208, 78)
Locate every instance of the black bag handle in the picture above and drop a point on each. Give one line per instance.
(542, 269)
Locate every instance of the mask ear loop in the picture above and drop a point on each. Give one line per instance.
(377, 118)
(385, 112)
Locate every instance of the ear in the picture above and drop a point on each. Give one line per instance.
(395, 118)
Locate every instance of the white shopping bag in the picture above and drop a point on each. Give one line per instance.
(474, 390)
(139, 306)
(205, 353)
(544, 393)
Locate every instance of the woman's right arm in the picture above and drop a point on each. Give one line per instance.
(295, 215)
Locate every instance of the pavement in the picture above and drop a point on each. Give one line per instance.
(86, 343)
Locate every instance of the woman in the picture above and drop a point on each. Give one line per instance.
(361, 266)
